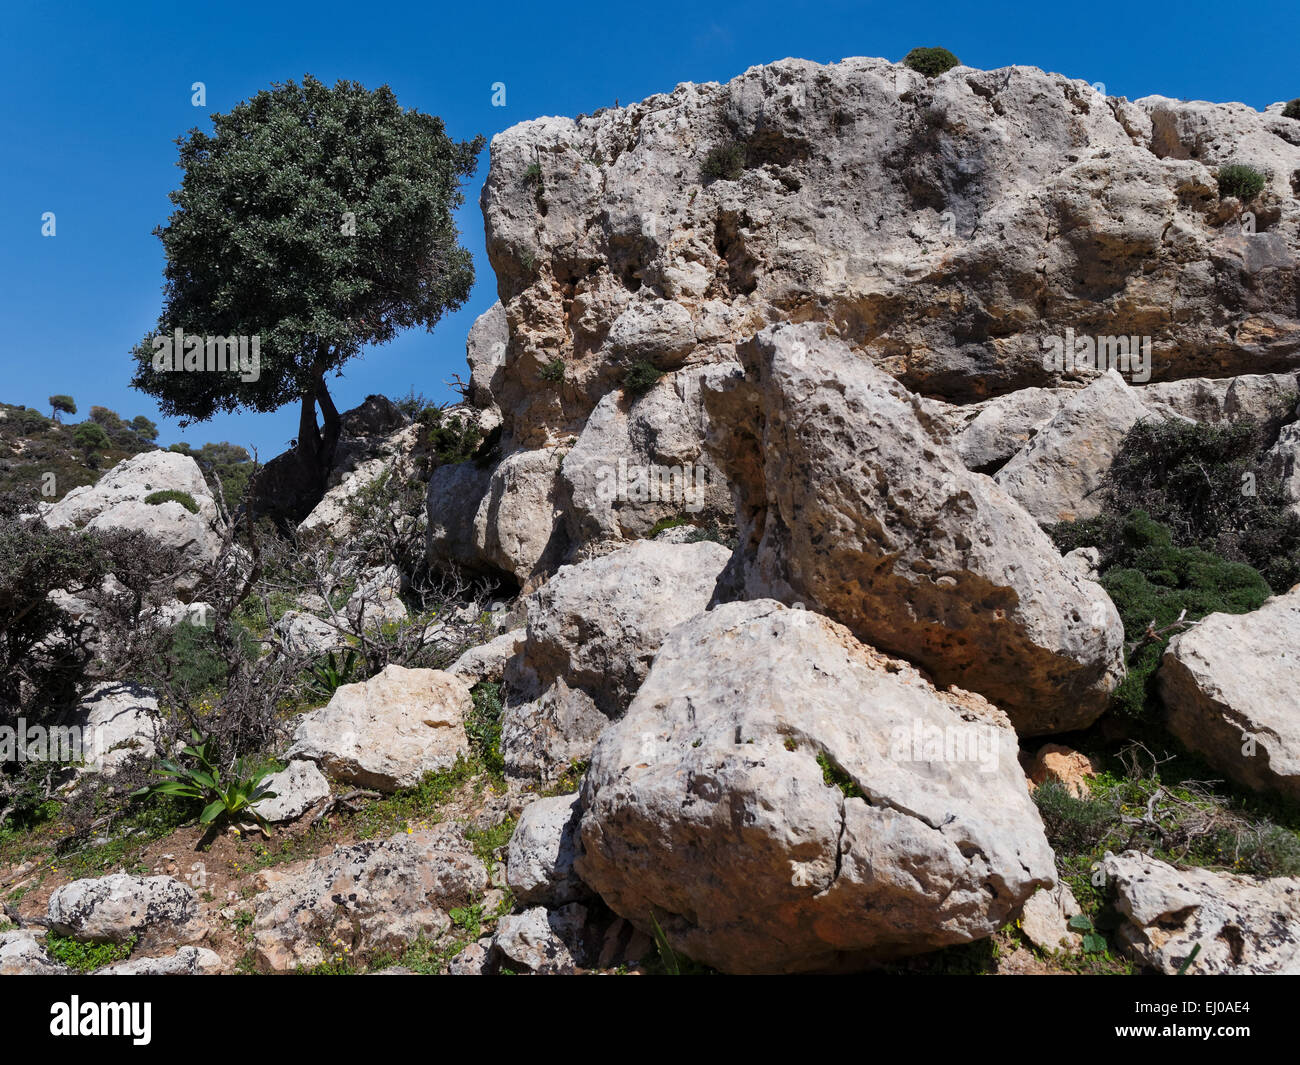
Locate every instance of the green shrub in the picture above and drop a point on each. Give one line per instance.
(483, 727)
(90, 437)
(171, 495)
(1207, 484)
(86, 957)
(641, 377)
(553, 371)
(835, 777)
(191, 655)
(726, 161)
(930, 61)
(1240, 180)
(1151, 583)
(1292, 110)
(449, 438)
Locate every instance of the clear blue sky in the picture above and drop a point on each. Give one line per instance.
(94, 95)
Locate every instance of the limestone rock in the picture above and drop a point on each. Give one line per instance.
(487, 661)
(1069, 768)
(119, 721)
(158, 910)
(784, 798)
(846, 503)
(188, 961)
(297, 788)
(1059, 474)
(1045, 918)
(539, 860)
(378, 895)
(542, 737)
(1245, 925)
(389, 731)
(1229, 685)
(598, 624)
(541, 941)
(22, 953)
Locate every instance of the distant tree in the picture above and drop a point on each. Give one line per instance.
(90, 438)
(318, 220)
(144, 427)
(66, 404)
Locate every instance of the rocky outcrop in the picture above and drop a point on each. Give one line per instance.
(848, 504)
(783, 798)
(487, 661)
(543, 737)
(116, 503)
(1228, 687)
(1244, 925)
(387, 732)
(118, 722)
(375, 896)
(158, 911)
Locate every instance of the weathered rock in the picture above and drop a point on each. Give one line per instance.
(1044, 920)
(1228, 687)
(116, 503)
(1283, 462)
(543, 737)
(297, 788)
(389, 731)
(1058, 475)
(22, 953)
(1243, 924)
(485, 350)
(378, 895)
(1264, 397)
(501, 520)
(487, 661)
(158, 910)
(542, 941)
(598, 624)
(988, 434)
(784, 798)
(472, 961)
(539, 860)
(377, 600)
(1071, 769)
(1085, 561)
(119, 721)
(188, 961)
(308, 634)
(846, 503)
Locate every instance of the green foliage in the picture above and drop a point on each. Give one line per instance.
(1292, 109)
(231, 798)
(190, 654)
(331, 673)
(726, 161)
(172, 495)
(63, 404)
(86, 957)
(1241, 180)
(664, 524)
(930, 61)
(144, 428)
(89, 438)
(552, 372)
(488, 842)
(533, 174)
(1093, 941)
(483, 727)
(340, 202)
(835, 777)
(1152, 583)
(449, 438)
(226, 464)
(414, 404)
(641, 377)
(1207, 484)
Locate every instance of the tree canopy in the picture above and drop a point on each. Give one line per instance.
(319, 220)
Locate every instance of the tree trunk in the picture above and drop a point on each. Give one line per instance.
(332, 425)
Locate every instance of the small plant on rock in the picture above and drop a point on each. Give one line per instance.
(1241, 180)
(552, 372)
(641, 377)
(1292, 109)
(172, 495)
(231, 799)
(727, 161)
(930, 61)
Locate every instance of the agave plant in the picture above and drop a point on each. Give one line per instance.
(331, 674)
(232, 797)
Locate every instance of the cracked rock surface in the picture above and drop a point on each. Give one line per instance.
(708, 804)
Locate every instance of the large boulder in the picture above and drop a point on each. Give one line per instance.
(379, 895)
(599, 624)
(783, 798)
(296, 789)
(116, 503)
(847, 503)
(1058, 475)
(544, 737)
(1244, 925)
(158, 911)
(542, 851)
(1229, 688)
(389, 731)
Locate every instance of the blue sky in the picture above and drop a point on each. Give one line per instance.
(95, 94)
